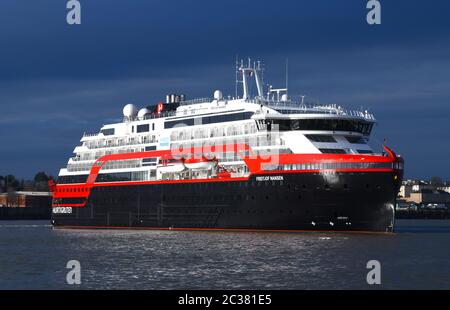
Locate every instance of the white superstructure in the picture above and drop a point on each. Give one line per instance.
(269, 122)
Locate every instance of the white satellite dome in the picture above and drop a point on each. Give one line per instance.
(218, 95)
(284, 97)
(143, 112)
(130, 110)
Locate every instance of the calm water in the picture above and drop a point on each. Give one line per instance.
(34, 256)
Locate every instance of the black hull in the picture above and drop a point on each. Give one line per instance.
(359, 201)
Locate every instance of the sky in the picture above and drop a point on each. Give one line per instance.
(58, 81)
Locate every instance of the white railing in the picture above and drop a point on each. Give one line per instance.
(158, 115)
(298, 107)
(195, 101)
(295, 106)
(94, 145)
(121, 164)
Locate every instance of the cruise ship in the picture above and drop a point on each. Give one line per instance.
(255, 161)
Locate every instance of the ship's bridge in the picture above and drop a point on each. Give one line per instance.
(290, 116)
(292, 106)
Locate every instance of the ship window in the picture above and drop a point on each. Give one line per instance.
(365, 151)
(179, 123)
(356, 140)
(139, 175)
(68, 179)
(333, 151)
(150, 148)
(322, 124)
(340, 165)
(143, 128)
(208, 120)
(321, 138)
(113, 177)
(107, 132)
(153, 126)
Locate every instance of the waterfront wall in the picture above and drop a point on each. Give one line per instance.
(23, 205)
(28, 213)
(422, 214)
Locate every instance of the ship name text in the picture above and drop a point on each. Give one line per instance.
(270, 178)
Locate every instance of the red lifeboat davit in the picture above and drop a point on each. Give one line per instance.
(223, 173)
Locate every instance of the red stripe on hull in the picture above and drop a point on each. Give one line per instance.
(68, 205)
(253, 163)
(235, 179)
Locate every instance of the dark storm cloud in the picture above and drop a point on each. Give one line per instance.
(57, 81)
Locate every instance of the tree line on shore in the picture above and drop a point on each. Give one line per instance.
(9, 183)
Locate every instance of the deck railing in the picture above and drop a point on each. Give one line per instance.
(313, 107)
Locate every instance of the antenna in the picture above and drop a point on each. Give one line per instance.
(261, 69)
(246, 72)
(237, 77)
(287, 75)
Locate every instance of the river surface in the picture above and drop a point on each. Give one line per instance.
(34, 256)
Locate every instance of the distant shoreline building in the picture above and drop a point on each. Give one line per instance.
(24, 199)
(424, 193)
(24, 205)
(444, 188)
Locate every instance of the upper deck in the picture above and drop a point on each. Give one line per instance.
(289, 124)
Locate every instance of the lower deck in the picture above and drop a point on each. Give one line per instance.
(286, 201)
